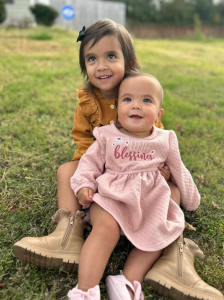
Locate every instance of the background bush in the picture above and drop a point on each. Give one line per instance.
(44, 14)
(2, 11)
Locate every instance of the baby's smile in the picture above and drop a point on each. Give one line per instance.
(136, 117)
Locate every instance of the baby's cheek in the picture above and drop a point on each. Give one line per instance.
(121, 113)
(150, 119)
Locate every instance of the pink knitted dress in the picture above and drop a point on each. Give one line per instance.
(123, 172)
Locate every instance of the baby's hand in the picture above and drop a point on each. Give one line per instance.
(165, 172)
(85, 196)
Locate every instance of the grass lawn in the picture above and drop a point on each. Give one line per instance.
(38, 81)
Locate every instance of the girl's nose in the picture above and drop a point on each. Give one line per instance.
(101, 66)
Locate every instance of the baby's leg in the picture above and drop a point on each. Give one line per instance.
(97, 247)
(175, 193)
(138, 264)
(66, 196)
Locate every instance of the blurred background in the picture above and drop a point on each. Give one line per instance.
(144, 18)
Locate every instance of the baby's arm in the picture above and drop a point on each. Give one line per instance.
(90, 167)
(190, 197)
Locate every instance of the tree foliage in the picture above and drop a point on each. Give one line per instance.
(2, 11)
(44, 14)
(175, 12)
(142, 10)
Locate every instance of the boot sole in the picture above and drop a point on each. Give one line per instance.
(170, 288)
(26, 255)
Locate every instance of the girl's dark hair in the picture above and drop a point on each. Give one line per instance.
(96, 32)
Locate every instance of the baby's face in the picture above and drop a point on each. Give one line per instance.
(139, 105)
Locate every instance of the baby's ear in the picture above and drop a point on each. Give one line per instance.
(161, 112)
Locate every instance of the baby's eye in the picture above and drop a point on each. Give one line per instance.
(91, 58)
(111, 56)
(147, 100)
(127, 100)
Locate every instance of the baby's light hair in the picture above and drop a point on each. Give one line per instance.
(137, 73)
(96, 32)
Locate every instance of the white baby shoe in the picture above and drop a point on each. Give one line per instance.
(117, 288)
(91, 294)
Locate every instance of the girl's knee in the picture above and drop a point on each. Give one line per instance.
(66, 170)
(175, 193)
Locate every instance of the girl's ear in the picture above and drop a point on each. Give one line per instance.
(132, 62)
(127, 71)
(129, 67)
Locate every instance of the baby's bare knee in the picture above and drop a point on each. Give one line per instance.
(107, 228)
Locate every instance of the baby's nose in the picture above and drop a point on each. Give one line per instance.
(136, 105)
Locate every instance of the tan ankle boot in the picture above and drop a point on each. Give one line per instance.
(60, 248)
(174, 276)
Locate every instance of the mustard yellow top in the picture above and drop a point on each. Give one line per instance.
(93, 110)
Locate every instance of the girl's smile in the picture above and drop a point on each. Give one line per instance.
(104, 78)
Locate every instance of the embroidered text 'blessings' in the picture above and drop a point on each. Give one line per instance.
(132, 155)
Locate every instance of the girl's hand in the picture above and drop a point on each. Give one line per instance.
(165, 172)
(85, 197)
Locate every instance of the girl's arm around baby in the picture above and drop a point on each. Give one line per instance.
(190, 197)
(90, 167)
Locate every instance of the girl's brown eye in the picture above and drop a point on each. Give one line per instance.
(92, 58)
(111, 56)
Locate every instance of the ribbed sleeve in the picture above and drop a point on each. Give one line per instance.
(90, 166)
(190, 198)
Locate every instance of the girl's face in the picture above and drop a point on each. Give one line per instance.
(105, 65)
(139, 105)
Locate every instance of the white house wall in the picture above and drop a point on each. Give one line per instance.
(19, 10)
(89, 11)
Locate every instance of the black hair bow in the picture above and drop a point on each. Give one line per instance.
(81, 34)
